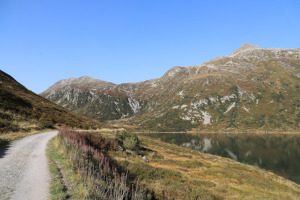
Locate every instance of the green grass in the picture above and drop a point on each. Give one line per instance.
(57, 188)
(65, 182)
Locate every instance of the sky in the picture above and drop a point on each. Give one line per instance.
(120, 41)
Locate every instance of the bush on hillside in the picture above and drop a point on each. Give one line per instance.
(97, 140)
(6, 126)
(46, 124)
(5, 116)
(128, 140)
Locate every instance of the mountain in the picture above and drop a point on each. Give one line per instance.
(93, 98)
(21, 109)
(252, 88)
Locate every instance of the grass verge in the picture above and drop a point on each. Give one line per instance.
(65, 182)
(57, 188)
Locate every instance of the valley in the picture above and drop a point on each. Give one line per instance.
(150, 100)
(250, 91)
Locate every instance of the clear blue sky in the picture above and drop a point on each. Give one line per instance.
(43, 41)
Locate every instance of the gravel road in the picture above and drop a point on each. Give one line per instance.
(24, 172)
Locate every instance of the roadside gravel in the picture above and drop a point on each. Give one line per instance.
(24, 172)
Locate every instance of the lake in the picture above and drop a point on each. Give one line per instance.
(277, 153)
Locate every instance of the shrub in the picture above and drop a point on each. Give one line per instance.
(128, 140)
(6, 126)
(5, 116)
(130, 143)
(277, 97)
(104, 144)
(297, 119)
(145, 171)
(46, 124)
(4, 123)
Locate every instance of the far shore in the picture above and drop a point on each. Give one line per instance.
(224, 132)
(260, 132)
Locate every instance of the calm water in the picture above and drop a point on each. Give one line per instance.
(277, 153)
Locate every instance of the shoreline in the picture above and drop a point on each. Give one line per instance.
(226, 132)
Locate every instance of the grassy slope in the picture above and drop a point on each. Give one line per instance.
(194, 173)
(24, 111)
(270, 101)
(177, 172)
(223, 177)
(275, 106)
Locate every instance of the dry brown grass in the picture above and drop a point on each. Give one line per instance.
(11, 136)
(178, 172)
(20, 106)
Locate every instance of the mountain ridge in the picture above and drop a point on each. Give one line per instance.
(173, 70)
(228, 91)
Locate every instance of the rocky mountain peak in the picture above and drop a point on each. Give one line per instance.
(247, 46)
(173, 71)
(83, 82)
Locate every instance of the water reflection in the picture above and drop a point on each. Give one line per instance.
(277, 153)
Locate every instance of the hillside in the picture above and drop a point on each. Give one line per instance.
(23, 110)
(93, 98)
(252, 88)
(161, 170)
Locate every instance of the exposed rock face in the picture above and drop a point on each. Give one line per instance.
(93, 98)
(248, 89)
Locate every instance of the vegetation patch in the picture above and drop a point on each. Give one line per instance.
(163, 171)
(58, 189)
(100, 176)
(24, 111)
(128, 140)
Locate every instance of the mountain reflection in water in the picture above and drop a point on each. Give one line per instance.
(277, 153)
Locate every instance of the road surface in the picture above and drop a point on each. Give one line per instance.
(24, 172)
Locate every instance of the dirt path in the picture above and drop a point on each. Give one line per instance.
(24, 172)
